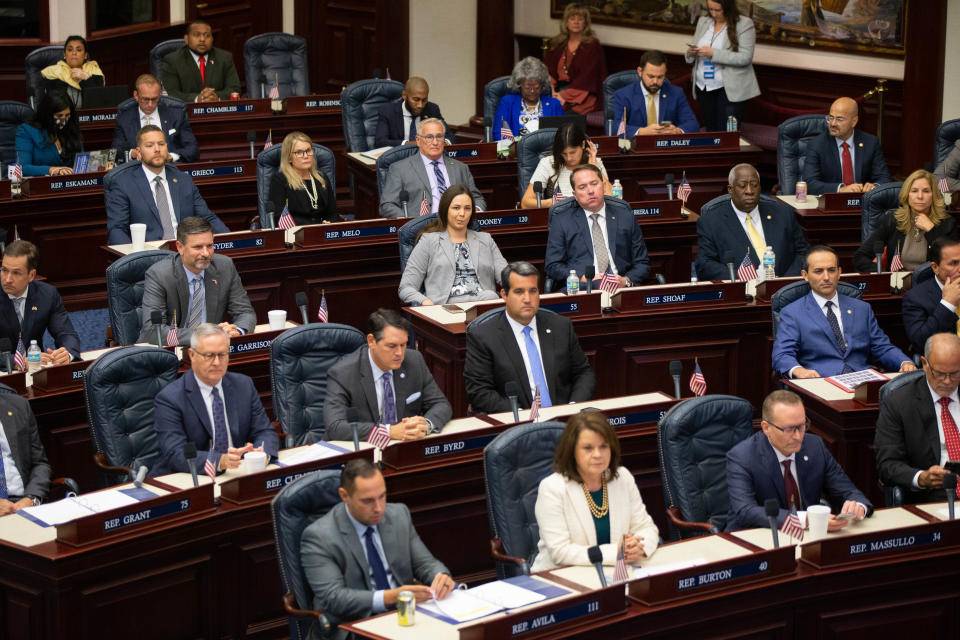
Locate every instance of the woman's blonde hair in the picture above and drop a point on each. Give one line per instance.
(904, 216)
(572, 9)
(286, 167)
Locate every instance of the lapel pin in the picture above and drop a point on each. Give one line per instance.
(805, 458)
(861, 145)
(612, 218)
(848, 311)
(548, 330)
(33, 308)
(769, 217)
(402, 375)
(174, 179)
(215, 282)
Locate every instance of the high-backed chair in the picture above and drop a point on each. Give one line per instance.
(160, 51)
(874, 204)
(276, 58)
(390, 156)
(12, 115)
(292, 510)
(796, 290)
(407, 236)
(493, 93)
(922, 273)
(947, 135)
(530, 149)
(793, 134)
(299, 361)
(166, 101)
(893, 496)
(33, 64)
(611, 84)
(267, 163)
(119, 390)
(693, 439)
(514, 463)
(110, 176)
(360, 105)
(125, 292)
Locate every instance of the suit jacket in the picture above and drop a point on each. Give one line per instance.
(907, 439)
(432, 266)
(950, 168)
(20, 429)
(673, 107)
(736, 67)
(823, 172)
(570, 243)
(924, 315)
(42, 311)
(409, 174)
(181, 76)
(566, 525)
(36, 153)
(350, 383)
(511, 105)
(390, 132)
(165, 289)
(336, 566)
(130, 199)
(719, 232)
(175, 125)
(864, 259)
(805, 338)
(298, 202)
(180, 416)
(754, 475)
(493, 359)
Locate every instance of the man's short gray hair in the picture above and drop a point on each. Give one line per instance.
(945, 341)
(427, 121)
(733, 172)
(529, 67)
(206, 329)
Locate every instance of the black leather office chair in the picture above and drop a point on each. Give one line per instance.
(110, 176)
(893, 496)
(267, 163)
(693, 439)
(12, 115)
(390, 156)
(611, 84)
(530, 149)
(35, 62)
(276, 58)
(493, 93)
(299, 361)
(922, 273)
(125, 292)
(119, 390)
(874, 204)
(292, 510)
(514, 463)
(947, 135)
(796, 290)
(360, 105)
(407, 236)
(793, 134)
(160, 51)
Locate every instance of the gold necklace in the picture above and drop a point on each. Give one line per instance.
(597, 511)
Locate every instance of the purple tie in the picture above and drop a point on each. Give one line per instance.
(388, 415)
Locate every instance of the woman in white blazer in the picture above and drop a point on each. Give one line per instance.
(722, 56)
(451, 262)
(590, 500)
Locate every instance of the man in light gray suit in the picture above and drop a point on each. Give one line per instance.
(194, 287)
(387, 383)
(425, 175)
(364, 552)
(24, 470)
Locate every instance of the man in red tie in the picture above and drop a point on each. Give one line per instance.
(199, 72)
(843, 158)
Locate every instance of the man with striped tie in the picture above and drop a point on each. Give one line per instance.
(195, 286)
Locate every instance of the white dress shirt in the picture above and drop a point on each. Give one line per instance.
(151, 177)
(602, 222)
(755, 219)
(206, 392)
(522, 343)
(10, 471)
(853, 157)
(954, 409)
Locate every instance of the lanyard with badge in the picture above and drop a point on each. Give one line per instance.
(709, 70)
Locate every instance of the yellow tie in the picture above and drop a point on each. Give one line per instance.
(651, 110)
(755, 239)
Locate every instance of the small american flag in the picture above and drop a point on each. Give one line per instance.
(622, 129)
(322, 313)
(379, 436)
(557, 195)
(163, 90)
(506, 133)
(172, 339)
(943, 185)
(269, 141)
(210, 467)
(746, 271)
(698, 384)
(274, 93)
(17, 172)
(792, 527)
(620, 573)
(535, 407)
(896, 264)
(286, 220)
(684, 190)
(609, 283)
(424, 205)
(20, 357)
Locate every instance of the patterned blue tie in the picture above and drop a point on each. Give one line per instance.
(837, 333)
(197, 303)
(441, 181)
(533, 354)
(3, 481)
(412, 134)
(388, 415)
(373, 557)
(220, 440)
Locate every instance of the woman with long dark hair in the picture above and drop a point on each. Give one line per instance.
(47, 144)
(571, 148)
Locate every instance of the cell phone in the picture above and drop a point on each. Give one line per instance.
(691, 45)
(667, 123)
(846, 516)
(953, 466)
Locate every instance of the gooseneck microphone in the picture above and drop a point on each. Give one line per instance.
(676, 370)
(5, 352)
(668, 180)
(302, 303)
(878, 252)
(596, 559)
(538, 189)
(404, 199)
(950, 487)
(589, 273)
(252, 139)
(728, 258)
(190, 453)
(772, 507)
(512, 391)
(352, 418)
(156, 317)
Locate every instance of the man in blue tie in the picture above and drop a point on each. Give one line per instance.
(365, 551)
(534, 348)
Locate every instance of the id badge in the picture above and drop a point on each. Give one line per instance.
(708, 70)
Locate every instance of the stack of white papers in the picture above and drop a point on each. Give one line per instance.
(316, 451)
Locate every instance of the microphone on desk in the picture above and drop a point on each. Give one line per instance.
(263, 82)
(668, 180)
(772, 507)
(878, 252)
(252, 139)
(676, 370)
(352, 418)
(156, 317)
(302, 303)
(729, 257)
(589, 273)
(538, 189)
(404, 199)
(5, 350)
(272, 225)
(596, 559)
(488, 129)
(950, 486)
(660, 279)
(512, 389)
(190, 453)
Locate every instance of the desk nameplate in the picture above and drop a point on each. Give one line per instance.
(683, 295)
(686, 142)
(228, 109)
(840, 202)
(349, 233)
(60, 377)
(63, 185)
(472, 152)
(325, 103)
(843, 550)
(441, 448)
(644, 211)
(244, 241)
(582, 304)
(495, 221)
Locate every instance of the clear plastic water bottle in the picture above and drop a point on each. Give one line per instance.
(573, 283)
(731, 123)
(33, 356)
(617, 189)
(769, 264)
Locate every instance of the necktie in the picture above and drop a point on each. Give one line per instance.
(163, 208)
(441, 181)
(533, 354)
(221, 441)
(412, 134)
(847, 164)
(755, 238)
(203, 70)
(837, 333)
(373, 558)
(389, 412)
(197, 300)
(18, 305)
(3, 481)
(651, 110)
(790, 487)
(146, 120)
(600, 251)
(950, 433)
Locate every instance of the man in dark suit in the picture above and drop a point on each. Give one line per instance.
(593, 229)
(654, 106)
(24, 470)
(844, 158)
(917, 427)
(199, 72)
(194, 287)
(534, 348)
(32, 307)
(749, 224)
(425, 175)
(218, 411)
(826, 334)
(364, 552)
(158, 195)
(387, 383)
(398, 120)
(931, 306)
(785, 462)
(168, 114)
